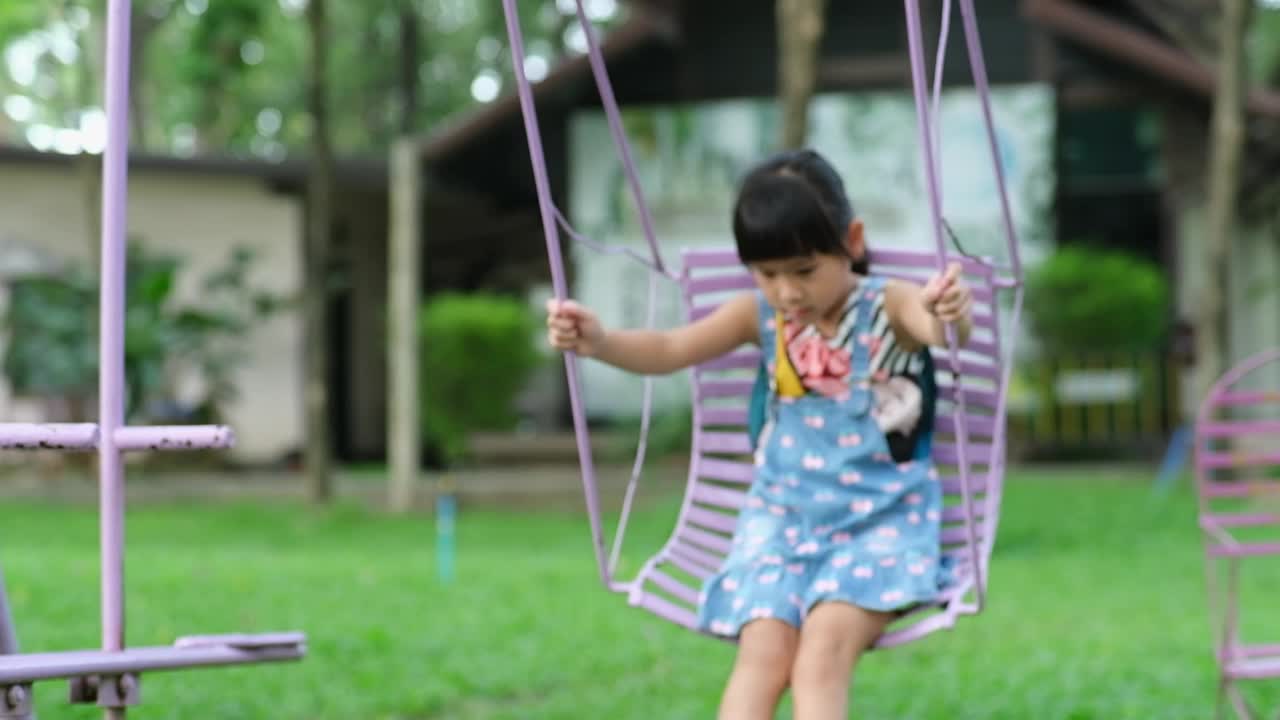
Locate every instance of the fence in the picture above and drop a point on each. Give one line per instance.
(1096, 405)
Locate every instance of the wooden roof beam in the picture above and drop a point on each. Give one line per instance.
(1096, 30)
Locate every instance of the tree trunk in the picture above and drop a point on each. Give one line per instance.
(1212, 335)
(409, 54)
(315, 262)
(89, 85)
(800, 29)
(142, 26)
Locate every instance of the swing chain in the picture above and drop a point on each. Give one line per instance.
(15, 702)
(110, 691)
(955, 240)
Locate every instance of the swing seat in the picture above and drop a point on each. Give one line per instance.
(968, 430)
(721, 470)
(1236, 464)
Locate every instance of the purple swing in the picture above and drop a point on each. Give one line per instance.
(110, 677)
(969, 434)
(1239, 493)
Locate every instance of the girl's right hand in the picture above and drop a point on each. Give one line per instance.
(573, 328)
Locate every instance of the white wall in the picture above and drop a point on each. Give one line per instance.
(1254, 303)
(691, 158)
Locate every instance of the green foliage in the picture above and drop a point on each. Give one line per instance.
(52, 323)
(1084, 299)
(19, 18)
(477, 354)
(49, 324)
(222, 76)
(1264, 45)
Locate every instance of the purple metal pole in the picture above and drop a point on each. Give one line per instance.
(48, 436)
(111, 330)
(173, 437)
(8, 636)
(110, 437)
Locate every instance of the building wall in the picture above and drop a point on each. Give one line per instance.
(44, 212)
(1254, 298)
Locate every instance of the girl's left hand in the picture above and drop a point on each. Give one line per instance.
(947, 297)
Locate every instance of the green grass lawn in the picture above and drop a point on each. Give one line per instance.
(1097, 611)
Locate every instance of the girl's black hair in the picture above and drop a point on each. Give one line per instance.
(793, 204)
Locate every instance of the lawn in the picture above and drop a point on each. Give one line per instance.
(1097, 611)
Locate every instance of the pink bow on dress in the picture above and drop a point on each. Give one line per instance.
(821, 369)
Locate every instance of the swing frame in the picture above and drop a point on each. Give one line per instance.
(110, 677)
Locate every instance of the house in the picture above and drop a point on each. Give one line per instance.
(1126, 137)
(197, 209)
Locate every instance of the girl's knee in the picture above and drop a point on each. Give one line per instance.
(767, 650)
(822, 660)
(833, 638)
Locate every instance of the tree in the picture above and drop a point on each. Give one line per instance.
(1228, 137)
(801, 24)
(315, 293)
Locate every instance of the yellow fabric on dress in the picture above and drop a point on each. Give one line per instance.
(785, 375)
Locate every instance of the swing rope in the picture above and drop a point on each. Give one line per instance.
(928, 111)
(915, 43)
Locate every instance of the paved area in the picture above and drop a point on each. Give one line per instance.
(556, 486)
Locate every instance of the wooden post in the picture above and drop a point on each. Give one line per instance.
(404, 277)
(316, 250)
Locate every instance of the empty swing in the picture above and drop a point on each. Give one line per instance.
(968, 433)
(1239, 514)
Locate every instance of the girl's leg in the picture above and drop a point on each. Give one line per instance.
(766, 651)
(832, 638)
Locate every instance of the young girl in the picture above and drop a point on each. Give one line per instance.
(841, 525)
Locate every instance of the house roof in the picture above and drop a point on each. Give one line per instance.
(1112, 38)
(1178, 60)
(290, 173)
(1121, 42)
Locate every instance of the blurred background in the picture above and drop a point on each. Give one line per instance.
(272, 142)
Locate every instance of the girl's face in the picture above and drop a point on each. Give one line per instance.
(810, 288)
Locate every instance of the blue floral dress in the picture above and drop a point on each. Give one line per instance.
(831, 516)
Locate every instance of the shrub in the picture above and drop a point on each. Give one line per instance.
(1084, 299)
(52, 325)
(478, 353)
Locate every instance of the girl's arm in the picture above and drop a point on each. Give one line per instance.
(573, 327)
(919, 315)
